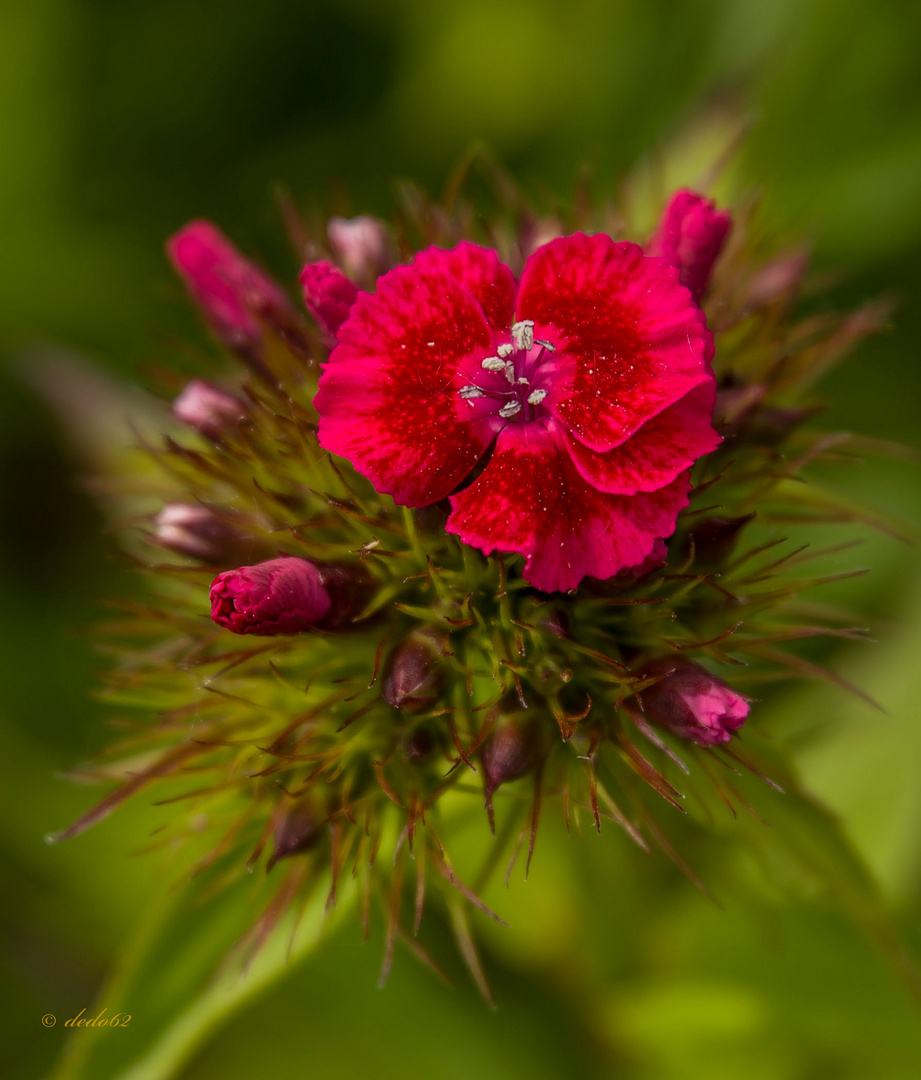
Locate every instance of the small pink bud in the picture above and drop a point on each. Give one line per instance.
(194, 530)
(328, 296)
(234, 294)
(361, 246)
(690, 236)
(412, 679)
(281, 596)
(208, 409)
(691, 703)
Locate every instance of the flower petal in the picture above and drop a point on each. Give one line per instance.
(638, 340)
(663, 447)
(531, 499)
(387, 396)
(479, 271)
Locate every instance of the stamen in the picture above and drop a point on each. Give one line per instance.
(510, 372)
(493, 363)
(470, 391)
(523, 381)
(510, 409)
(505, 350)
(523, 334)
(548, 345)
(536, 397)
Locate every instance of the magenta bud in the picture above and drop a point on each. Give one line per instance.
(361, 246)
(715, 537)
(235, 296)
(328, 296)
(281, 596)
(690, 237)
(208, 409)
(413, 676)
(508, 754)
(297, 831)
(691, 703)
(194, 530)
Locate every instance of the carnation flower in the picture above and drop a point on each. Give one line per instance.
(281, 596)
(588, 385)
(690, 237)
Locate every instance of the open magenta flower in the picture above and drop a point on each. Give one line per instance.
(281, 596)
(588, 385)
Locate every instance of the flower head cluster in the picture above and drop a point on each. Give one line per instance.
(481, 514)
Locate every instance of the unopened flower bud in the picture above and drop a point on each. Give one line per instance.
(194, 530)
(418, 744)
(715, 537)
(281, 596)
(299, 830)
(690, 236)
(691, 703)
(208, 409)
(328, 296)
(508, 754)
(349, 588)
(361, 246)
(413, 676)
(234, 294)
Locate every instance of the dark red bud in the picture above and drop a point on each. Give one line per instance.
(418, 744)
(349, 587)
(413, 677)
(299, 830)
(509, 753)
(715, 537)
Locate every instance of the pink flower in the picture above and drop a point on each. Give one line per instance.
(328, 296)
(691, 703)
(690, 236)
(208, 409)
(234, 295)
(589, 382)
(360, 246)
(281, 596)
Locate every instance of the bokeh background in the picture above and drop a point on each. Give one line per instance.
(119, 122)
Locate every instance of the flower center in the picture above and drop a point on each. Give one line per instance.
(512, 379)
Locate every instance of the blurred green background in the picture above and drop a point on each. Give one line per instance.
(119, 122)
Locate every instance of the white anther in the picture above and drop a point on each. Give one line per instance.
(548, 345)
(470, 392)
(505, 350)
(523, 381)
(523, 334)
(536, 397)
(493, 363)
(510, 372)
(431, 344)
(510, 409)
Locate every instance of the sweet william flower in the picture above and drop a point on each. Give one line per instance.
(691, 703)
(233, 293)
(588, 383)
(280, 596)
(690, 237)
